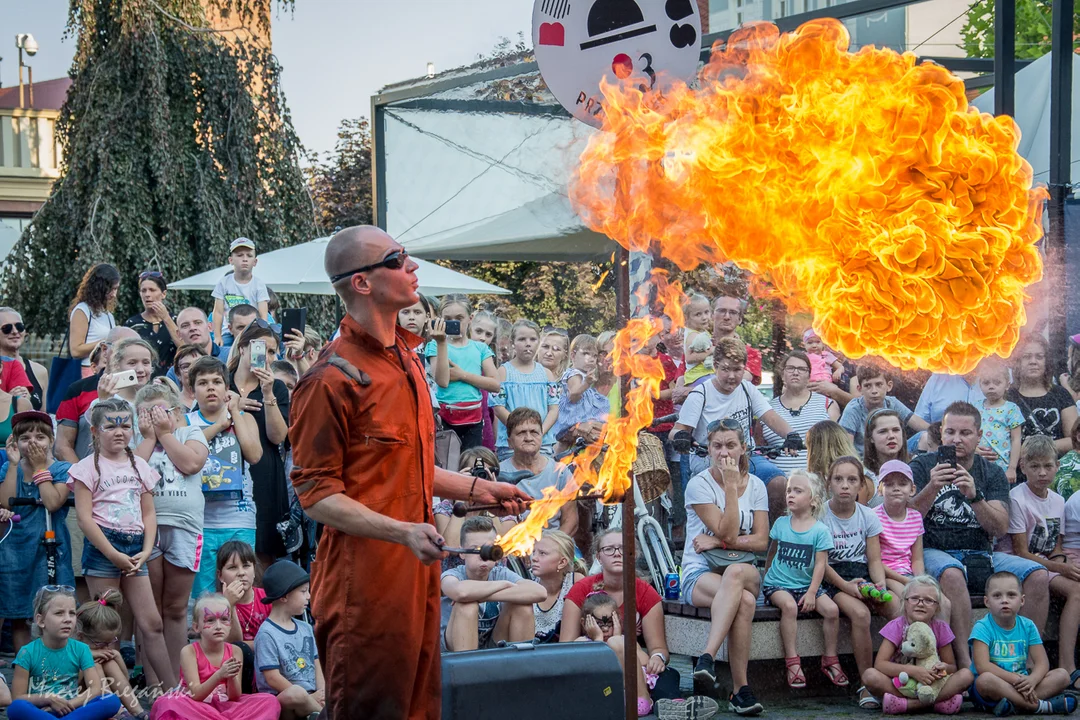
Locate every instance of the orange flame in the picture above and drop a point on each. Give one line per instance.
(620, 434)
(859, 184)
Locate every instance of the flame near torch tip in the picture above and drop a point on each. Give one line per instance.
(859, 184)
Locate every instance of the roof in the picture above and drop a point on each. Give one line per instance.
(48, 95)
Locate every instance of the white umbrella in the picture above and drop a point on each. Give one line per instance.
(299, 269)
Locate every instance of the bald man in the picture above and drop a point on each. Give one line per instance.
(363, 439)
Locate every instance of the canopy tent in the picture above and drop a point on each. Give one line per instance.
(487, 180)
(1033, 114)
(299, 269)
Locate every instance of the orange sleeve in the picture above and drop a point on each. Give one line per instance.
(320, 436)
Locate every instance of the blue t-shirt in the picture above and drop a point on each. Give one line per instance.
(1008, 648)
(792, 567)
(469, 358)
(292, 652)
(55, 671)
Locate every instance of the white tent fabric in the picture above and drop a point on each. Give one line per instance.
(485, 186)
(1033, 114)
(299, 269)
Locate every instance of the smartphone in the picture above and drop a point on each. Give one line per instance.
(125, 379)
(453, 327)
(258, 354)
(293, 319)
(947, 454)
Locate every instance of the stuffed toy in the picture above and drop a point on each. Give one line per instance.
(920, 644)
(703, 343)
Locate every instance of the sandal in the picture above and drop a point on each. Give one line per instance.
(831, 667)
(795, 678)
(867, 701)
(1072, 680)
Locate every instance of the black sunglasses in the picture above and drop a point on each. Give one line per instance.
(151, 274)
(9, 327)
(394, 261)
(724, 423)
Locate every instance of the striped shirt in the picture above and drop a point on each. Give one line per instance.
(801, 420)
(897, 538)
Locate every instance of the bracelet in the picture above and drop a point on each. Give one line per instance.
(41, 477)
(471, 488)
(661, 656)
(269, 403)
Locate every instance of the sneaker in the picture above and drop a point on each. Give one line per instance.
(695, 707)
(1063, 704)
(705, 669)
(1003, 708)
(744, 702)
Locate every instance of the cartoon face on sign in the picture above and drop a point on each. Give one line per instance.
(578, 42)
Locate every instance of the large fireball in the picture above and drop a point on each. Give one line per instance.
(860, 184)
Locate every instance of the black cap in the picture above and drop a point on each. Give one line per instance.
(282, 578)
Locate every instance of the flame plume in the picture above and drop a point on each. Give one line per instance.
(620, 434)
(859, 184)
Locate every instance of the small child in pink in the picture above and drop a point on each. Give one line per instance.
(211, 691)
(824, 366)
(901, 526)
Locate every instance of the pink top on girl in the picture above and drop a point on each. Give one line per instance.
(117, 491)
(897, 538)
(252, 615)
(206, 669)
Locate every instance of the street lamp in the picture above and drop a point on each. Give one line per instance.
(431, 69)
(26, 42)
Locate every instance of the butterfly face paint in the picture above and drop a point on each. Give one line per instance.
(210, 616)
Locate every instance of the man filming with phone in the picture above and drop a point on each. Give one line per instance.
(964, 500)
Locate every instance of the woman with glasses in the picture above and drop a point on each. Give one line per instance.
(608, 550)
(90, 318)
(12, 336)
(797, 405)
(155, 324)
(727, 508)
(267, 399)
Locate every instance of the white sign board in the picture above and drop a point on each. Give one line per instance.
(578, 42)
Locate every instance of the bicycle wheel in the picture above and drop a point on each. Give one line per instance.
(656, 546)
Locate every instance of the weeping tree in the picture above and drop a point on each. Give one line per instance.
(176, 140)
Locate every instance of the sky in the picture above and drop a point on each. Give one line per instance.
(335, 54)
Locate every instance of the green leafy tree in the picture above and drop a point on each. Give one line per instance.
(176, 140)
(341, 183)
(1033, 25)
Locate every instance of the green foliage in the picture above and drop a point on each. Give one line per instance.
(341, 183)
(1033, 25)
(176, 140)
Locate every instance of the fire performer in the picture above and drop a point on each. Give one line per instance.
(364, 446)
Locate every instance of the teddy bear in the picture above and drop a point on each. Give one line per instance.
(920, 644)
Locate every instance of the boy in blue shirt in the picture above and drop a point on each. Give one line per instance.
(1008, 658)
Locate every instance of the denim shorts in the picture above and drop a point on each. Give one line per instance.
(94, 562)
(938, 561)
(769, 590)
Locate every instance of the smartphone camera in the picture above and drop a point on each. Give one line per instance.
(453, 327)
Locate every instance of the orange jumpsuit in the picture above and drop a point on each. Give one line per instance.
(362, 425)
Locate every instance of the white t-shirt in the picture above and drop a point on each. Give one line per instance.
(98, 326)
(850, 534)
(178, 499)
(705, 404)
(233, 293)
(1072, 522)
(703, 490)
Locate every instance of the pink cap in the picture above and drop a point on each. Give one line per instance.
(896, 466)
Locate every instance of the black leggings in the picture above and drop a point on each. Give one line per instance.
(247, 676)
(471, 435)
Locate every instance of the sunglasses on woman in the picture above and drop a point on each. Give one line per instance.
(394, 261)
(151, 274)
(9, 328)
(725, 423)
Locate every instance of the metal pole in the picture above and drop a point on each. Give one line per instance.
(1005, 57)
(630, 662)
(1061, 82)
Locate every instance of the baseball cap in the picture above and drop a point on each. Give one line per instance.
(241, 242)
(30, 415)
(282, 578)
(896, 466)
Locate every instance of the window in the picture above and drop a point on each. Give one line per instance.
(738, 18)
(783, 8)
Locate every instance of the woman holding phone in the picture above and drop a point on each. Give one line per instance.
(267, 400)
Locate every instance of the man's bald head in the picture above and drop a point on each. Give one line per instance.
(355, 247)
(120, 333)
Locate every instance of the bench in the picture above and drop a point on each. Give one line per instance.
(688, 627)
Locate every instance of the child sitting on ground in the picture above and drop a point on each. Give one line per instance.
(600, 621)
(236, 580)
(98, 624)
(1001, 419)
(210, 670)
(921, 601)
(1012, 671)
(50, 670)
(824, 365)
(1035, 521)
(798, 556)
(484, 603)
(287, 663)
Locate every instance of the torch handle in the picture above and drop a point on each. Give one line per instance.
(462, 509)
